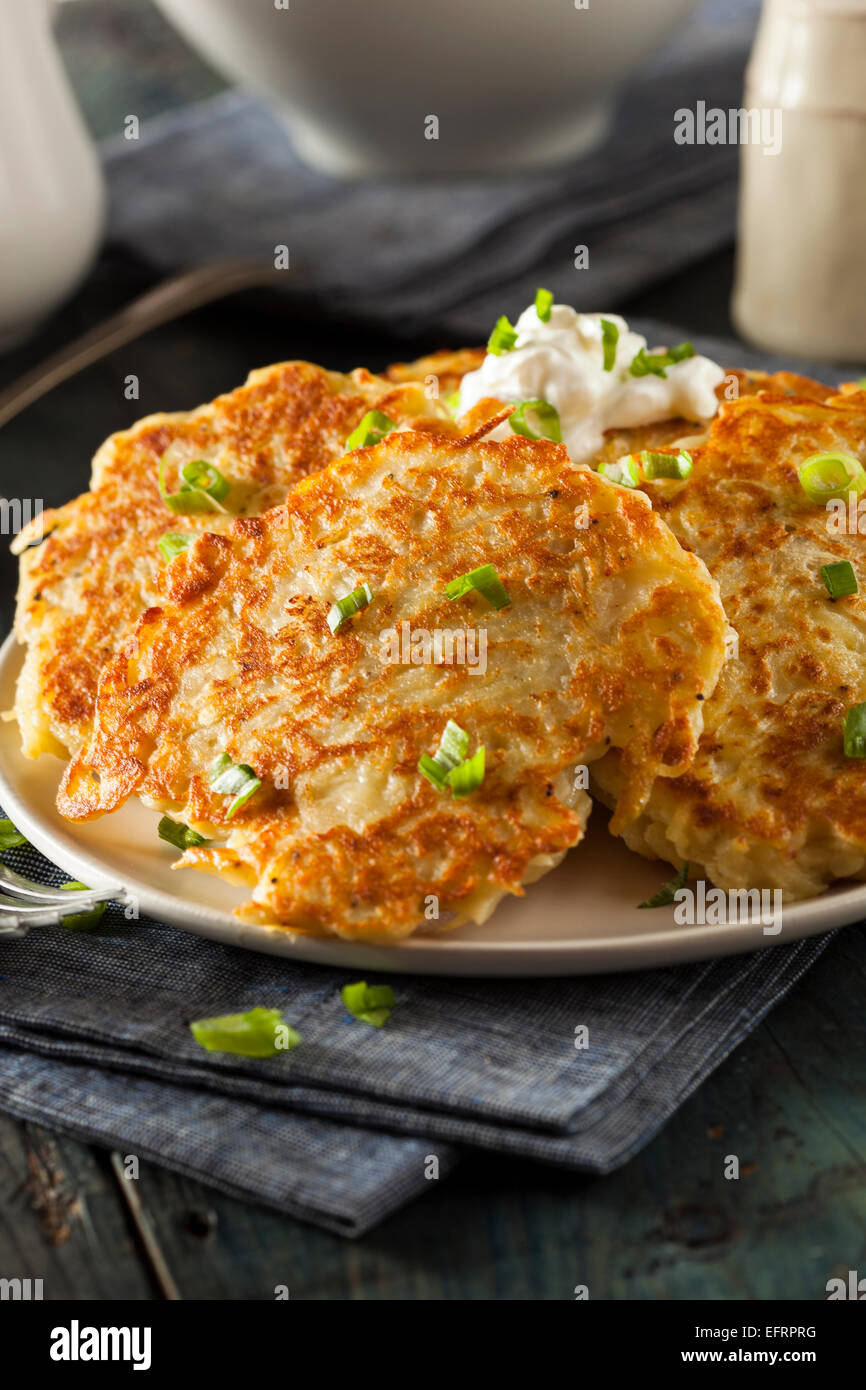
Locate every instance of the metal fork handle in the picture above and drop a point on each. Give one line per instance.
(178, 295)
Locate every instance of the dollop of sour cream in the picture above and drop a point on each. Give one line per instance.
(561, 361)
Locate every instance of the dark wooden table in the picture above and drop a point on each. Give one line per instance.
(791, 1102)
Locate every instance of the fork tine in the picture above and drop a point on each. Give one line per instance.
(17, 915)
(25, 904)
(11, 929)
(16, 886)
(72, 902)
(15, 921)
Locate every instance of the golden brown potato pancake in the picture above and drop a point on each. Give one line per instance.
(771, 800)
(614, 636)
(441, 371)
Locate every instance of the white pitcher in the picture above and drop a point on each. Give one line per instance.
(51, 191)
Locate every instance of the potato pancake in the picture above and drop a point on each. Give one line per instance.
(441, 371)
(771, 800)
(612, 636)
(86, 584)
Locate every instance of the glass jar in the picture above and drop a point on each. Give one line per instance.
(801, 257)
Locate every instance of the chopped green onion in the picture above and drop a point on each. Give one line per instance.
(453, 748)
(82, 921)
(825, 476)
(503, 337)
(253, 1034)
(543, 424)
(485, 580)
(665, 465)
(202, 490)
(543, 304)
(633, 469)
(178, 834)
(173, 542)
(452, 402)
(467, 776)
(840, 579)
(450, 767)
(433, 771)
(371, 430)
(347, 606)
(10, 837)
(233, 779)
(854, 732)
(370, 1003)
(644, 363)
(624, 471)
(189, 503)
(201, 476)
(666, 893)
(609, 340)
(861, 383)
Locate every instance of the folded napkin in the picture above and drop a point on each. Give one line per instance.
(222, 179)
(94, 1040)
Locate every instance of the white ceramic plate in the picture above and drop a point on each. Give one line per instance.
(581, 919)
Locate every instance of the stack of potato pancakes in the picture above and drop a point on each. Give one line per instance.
(364, 655)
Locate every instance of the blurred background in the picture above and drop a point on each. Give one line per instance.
(419, 168)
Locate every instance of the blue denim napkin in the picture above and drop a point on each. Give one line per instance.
(94, 1040)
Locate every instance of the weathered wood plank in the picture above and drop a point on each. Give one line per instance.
(61, 1219)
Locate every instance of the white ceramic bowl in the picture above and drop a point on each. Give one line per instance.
(514, 84)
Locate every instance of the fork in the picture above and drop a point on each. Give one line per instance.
(25, 904)
(168, 300)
